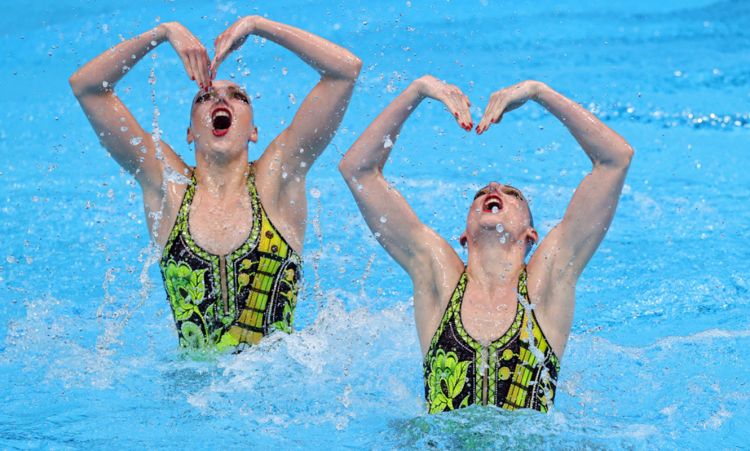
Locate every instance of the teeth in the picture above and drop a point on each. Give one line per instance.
(221, 113)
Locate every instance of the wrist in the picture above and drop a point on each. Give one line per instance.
(538, 90)
(416, 89)
(251, 24)
(164, 32)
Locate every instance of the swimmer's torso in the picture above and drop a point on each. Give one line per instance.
(517, 370)
(226, 300)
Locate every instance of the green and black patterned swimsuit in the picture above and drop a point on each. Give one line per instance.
(518, 370)
(221, 301)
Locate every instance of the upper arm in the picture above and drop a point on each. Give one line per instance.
(570, 245)
(128, 143)
(414, 245)
(313, 127)
(284, 164)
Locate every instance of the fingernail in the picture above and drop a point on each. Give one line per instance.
(456, 114)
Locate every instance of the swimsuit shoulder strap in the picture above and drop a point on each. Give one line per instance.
(454, 305)
(253, 191)
(522, 288)
(180, 222)
(187, 200)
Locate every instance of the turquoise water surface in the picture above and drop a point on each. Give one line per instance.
(88, 353)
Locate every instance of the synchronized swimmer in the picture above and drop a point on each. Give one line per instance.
(481, 340)
(231, 232)
(492, 330)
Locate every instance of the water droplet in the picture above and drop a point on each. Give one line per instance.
(383, 219)
(135, 140)
(495, 210)
(499, 228)
(315, 193)
(503, 238)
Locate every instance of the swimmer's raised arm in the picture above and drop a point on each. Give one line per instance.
(569, 246)
(410, 242)
(285, 163)
(130, 145)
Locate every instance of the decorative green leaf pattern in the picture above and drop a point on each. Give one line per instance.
(447, 380)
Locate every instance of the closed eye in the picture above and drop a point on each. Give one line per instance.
(515, 193)
(202, 98)
(480, 193)
(240, 96)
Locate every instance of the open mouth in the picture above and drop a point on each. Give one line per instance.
(492, 204)
(221, 119)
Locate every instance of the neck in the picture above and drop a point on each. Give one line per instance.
(495, 265)
(220, 174)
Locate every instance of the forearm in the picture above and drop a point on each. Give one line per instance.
(326, 57)
(103, 72)
(370, 152)
(602, 144)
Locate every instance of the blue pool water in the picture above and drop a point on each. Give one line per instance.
(656, 359)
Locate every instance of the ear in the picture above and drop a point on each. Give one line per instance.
(532, 235)
(253, 135)
(190, 137)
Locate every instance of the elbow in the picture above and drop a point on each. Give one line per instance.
(353, 68)
(620, 159)
(346, 168)
(351, 171)
(356, 67)
(79, 86)
(627, 156)
(75, 84)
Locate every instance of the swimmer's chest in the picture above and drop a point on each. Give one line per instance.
(220, 225)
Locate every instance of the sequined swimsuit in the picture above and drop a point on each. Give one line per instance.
(518, 370)
(222, 301)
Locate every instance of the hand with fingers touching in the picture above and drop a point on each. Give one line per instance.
(191, 51)
(231, 39)
(451, 96)
(505, 100)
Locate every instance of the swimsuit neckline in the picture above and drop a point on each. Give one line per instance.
(512, 328)
(254, 211)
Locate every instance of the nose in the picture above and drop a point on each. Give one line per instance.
(495, 186)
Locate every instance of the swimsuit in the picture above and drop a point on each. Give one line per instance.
(227, 300)
(512, 372)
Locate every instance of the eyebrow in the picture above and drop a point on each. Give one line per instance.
(481, 191)
(520, 193)
(229, 89)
